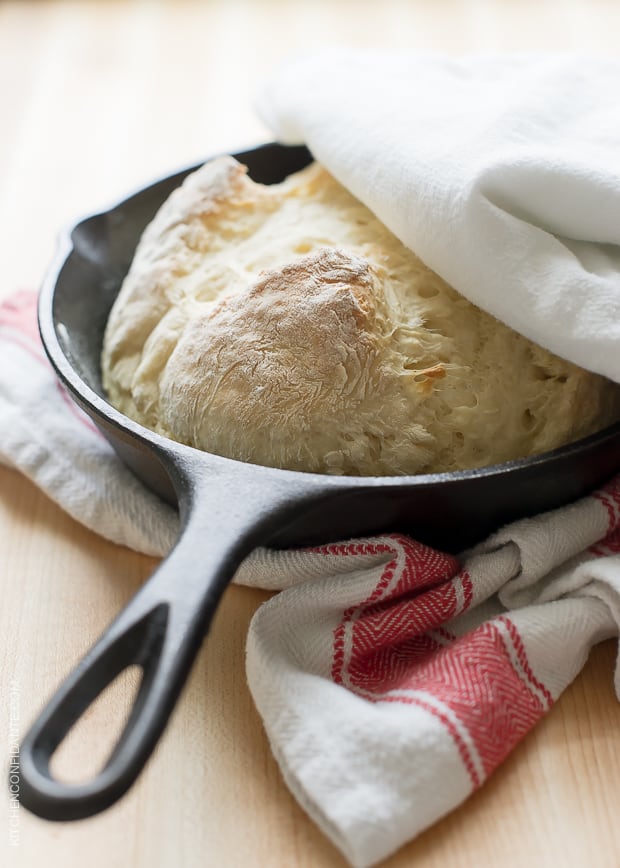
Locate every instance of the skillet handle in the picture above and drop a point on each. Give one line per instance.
(161, 630)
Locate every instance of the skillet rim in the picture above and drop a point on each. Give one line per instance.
(59, 354)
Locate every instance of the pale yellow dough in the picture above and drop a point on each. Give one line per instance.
(285, 325)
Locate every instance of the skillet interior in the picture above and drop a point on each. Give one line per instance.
(451, 511)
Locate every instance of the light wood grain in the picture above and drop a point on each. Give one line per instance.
(95, 99)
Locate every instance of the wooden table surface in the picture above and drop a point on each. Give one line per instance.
(97, 98)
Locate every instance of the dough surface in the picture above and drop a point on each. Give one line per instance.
(285, 325)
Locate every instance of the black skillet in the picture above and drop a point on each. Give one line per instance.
(227, 508)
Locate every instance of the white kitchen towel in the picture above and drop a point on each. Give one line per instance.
(391, 678)
(500, 172)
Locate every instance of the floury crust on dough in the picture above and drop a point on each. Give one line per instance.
(285, 325)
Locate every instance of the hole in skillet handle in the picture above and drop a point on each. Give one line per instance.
(40, 792)
(88, 745)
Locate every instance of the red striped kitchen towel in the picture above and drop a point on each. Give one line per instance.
(391, 678)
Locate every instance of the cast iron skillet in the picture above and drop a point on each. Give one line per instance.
(228, 507)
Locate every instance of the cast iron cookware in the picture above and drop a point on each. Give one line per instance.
(228, 507)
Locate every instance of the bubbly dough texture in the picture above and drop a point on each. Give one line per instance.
(285, 325)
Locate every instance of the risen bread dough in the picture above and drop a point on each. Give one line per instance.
(285, 325)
